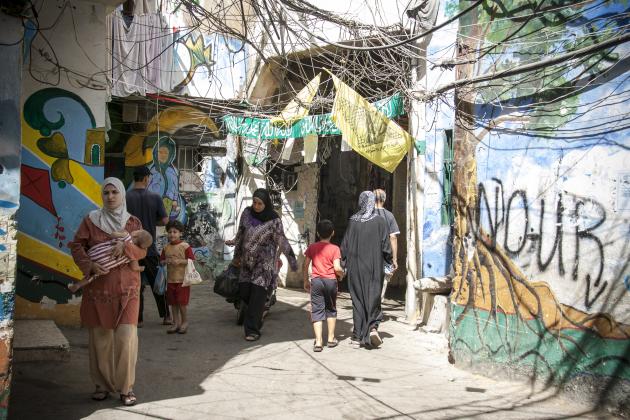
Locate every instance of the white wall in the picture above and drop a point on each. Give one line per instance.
(78, 41)
(299, 216)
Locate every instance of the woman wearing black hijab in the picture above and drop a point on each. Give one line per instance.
(259, 241)
(364, 250)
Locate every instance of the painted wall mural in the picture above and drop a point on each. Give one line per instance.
(208, 65)
(205, 206)
(439, 117)
(61, 171)
(160, 153)
(541, 246)
(164, 179)
(198, 55)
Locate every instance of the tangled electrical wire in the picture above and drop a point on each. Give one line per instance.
(555, 48)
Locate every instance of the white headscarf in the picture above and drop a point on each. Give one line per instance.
(366, 207)
(111, 220)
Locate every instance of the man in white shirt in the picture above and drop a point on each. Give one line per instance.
(394, 231)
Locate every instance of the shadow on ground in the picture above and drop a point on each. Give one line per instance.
(212, 372)
(169, 366)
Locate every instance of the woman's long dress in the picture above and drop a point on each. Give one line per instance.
(111, 299)
(109, 309)
(364, 250)
(258, 246)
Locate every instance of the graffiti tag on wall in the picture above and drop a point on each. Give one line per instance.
(560, 235)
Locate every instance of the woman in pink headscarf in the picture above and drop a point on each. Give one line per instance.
(109, 307)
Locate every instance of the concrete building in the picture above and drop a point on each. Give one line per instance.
(316, 174)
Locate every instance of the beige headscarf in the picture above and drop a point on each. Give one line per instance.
(111, 220)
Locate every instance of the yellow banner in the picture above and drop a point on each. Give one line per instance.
(298, 108)
(367, 130)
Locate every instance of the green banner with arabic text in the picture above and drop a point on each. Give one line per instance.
(322, 124)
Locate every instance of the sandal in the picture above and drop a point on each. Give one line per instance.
(332, 343)
(252, 337)
(182, 330)
(172, 330)
(100, 395)
(375, 339)
(317, 348)
(129, 399)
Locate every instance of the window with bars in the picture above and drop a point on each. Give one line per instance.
(189, 158)
(190, 166)
(447, 179)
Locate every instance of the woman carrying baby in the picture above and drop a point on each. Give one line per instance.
(109, 307)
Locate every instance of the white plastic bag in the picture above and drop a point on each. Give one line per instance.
(191, 276)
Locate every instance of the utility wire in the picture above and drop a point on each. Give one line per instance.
(389, 46)
(528, 67)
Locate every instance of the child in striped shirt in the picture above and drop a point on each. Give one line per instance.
(102, 255)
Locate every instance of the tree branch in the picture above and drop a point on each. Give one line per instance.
(526, 68)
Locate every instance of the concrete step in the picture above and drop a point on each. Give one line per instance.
(38, 340)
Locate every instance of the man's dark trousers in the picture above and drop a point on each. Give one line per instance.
(150, 264)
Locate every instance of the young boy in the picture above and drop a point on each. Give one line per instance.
(176, 255)
(326, 259)
(102, 255)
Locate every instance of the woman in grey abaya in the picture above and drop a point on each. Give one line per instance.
(364, 250)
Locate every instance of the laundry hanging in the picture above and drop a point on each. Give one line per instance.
(142, 54)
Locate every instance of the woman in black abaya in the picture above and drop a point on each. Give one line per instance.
(364, 250)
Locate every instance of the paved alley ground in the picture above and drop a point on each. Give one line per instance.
(211, 372)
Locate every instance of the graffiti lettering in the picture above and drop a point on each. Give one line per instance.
(522, 240)
(557, 243)
(548, 242)
(586, 233)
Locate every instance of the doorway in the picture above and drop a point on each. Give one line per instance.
(343, 177)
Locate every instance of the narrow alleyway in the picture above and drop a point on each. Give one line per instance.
(213, 373)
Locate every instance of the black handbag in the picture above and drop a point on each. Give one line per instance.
(226, 283)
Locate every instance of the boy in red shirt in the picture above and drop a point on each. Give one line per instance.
(326, 259)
